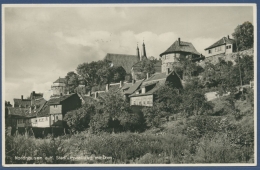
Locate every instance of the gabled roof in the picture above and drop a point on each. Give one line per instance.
(124, 60)
(20, 112)
(157, 76)
(132, 87)
(149, 92)
(60, 80)
(183, 47)
(22, 102)
(58, 100)
(222, 41)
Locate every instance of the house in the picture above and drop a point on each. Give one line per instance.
(144, 95)
(129, 88)
(59, 106)
(178, 50)
(29, 102)
(225, 45)
(58, 87)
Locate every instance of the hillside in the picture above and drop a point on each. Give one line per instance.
(227, 57)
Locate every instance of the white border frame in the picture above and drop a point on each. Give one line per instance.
(129, 5)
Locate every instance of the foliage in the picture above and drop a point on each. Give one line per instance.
(146, 66)
(244, 36)
(100, 72)
(78, 120)
(72, 81)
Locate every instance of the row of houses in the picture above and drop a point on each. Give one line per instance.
(37, 112)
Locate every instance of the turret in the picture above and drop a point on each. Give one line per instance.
(137, 52)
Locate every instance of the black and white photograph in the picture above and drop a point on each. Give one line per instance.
(129, 85)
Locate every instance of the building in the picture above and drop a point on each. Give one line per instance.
(58, 87)
(144, 95)
(125, 60)
(178, 50)
(59, 106)
(29, 102)
(225, 45)
(44, 118)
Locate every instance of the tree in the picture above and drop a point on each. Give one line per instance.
(244, 36)
(72, 81)
(146, 66)
(78, 120)
(118, 74)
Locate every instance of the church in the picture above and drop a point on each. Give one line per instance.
(131, 63)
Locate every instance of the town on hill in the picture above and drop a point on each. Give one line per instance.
(180, 108)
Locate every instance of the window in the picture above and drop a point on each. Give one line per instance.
(228, 47)
(144, 102)
(140, 103)
(46, 118)
(209, 51)
(57, 117)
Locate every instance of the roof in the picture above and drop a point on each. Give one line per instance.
(22, 102)
(60, 80)
(132, 87)
(21, 112)
(44, 110)
(149, 92)
(222, 41)
(183, 47)
(124, 60)
(157, 76)
(60, 99)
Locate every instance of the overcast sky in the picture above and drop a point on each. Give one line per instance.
(43, 43)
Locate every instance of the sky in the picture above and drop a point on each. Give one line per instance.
(45, 43)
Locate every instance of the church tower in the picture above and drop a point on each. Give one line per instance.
(144, 53)
(137, 52)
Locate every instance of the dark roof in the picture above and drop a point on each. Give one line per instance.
(157, 76)
(124, 60)
(21, 112)
(22, 102)
(151, 91)
(58, 100)
(222, 41)
(44, 110)
(132, 87)
(60, 80)
(183, 47)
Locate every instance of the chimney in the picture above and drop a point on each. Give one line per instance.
(147, 75)
(22, 97)
(133, 81)
(60, 94)
(179, 41)
(107, 87)
(96, 95)
(228, 37)
(143, 90)
(121, 84)
(167, 71)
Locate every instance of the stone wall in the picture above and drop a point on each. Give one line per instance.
(227, 57)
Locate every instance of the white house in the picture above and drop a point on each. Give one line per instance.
(225, 45)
